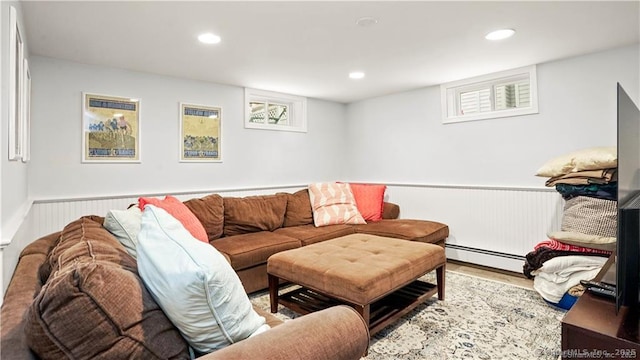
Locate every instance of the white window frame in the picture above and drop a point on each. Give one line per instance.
(297, 114)
(450, 95)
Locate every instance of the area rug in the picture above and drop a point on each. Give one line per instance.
(479, 319)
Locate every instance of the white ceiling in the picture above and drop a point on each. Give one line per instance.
(308, 48)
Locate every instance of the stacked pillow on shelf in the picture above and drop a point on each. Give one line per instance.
(587, 181)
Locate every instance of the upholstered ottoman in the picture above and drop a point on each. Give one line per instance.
(376, 275)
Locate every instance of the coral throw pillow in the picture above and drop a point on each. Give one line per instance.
(369, 200)
(333, 203)
(179, 211)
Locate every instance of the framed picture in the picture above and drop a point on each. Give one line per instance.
(26, 114)
(200, 133)
(16, 63)
(110, 128)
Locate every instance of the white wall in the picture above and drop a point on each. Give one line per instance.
(14, 197)
(250, 157)
(14, 192)
(478, 177)
(400, 138)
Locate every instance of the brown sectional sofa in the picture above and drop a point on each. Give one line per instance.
(101, 308)
(256, 227)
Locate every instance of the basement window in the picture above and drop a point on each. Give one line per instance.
(270, 110)
(507, 93)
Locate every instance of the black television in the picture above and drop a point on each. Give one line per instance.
(627, 264)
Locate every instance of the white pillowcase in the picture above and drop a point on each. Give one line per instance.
(594, 158)
(194, 284)
(125, 226)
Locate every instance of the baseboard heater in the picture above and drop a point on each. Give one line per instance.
(494, 259)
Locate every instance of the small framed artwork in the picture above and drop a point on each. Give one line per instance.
(200, 133)
(110, 129)
(26, 114)
(16, 101)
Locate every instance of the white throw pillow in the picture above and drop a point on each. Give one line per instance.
(125, 226)
(194, 284)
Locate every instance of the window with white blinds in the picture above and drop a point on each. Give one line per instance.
(508, 93)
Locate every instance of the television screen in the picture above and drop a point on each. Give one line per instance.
(628, 237)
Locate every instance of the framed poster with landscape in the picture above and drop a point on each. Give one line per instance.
(200, 132)
(110, 128)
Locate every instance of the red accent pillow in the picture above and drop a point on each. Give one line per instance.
(369, 200)
(179, 211)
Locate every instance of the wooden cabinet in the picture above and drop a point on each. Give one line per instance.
(592, 329)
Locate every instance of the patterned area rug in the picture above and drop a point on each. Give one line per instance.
(479, 319)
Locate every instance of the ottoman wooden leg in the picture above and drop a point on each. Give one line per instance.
(440, 281)
(273, 293)
(365, 313)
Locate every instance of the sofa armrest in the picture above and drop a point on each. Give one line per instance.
(390, 211)
(336, 333)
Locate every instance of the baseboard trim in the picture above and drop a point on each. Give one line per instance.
(487, 258)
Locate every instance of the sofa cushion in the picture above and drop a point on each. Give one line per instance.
(194, 285)
(253, 213)
(210, 211)
(298, 209)
(309, 234)
(407, 229)
(252, 249)
(333, 203)
(97, 310)
(390, 211)
(369, 200)
(125, 226)
(75, 243)
(179, 211)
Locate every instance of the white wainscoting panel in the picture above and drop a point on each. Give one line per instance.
(491, 226)
(52, 215)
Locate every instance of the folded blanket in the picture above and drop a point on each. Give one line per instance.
(603, 176)
(554, 244)
(600, 191)
(558, 275)
(535, 259)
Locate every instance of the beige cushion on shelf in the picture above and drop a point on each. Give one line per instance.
(584, 240)
(586, 159)
(333, 203)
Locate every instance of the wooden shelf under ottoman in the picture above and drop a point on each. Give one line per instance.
(375, 275)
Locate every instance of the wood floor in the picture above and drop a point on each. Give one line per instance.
(490, 273)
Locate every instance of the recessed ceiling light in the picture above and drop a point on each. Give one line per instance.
(356, 75)
(500, 34)
(209, 38)
(366, 21)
